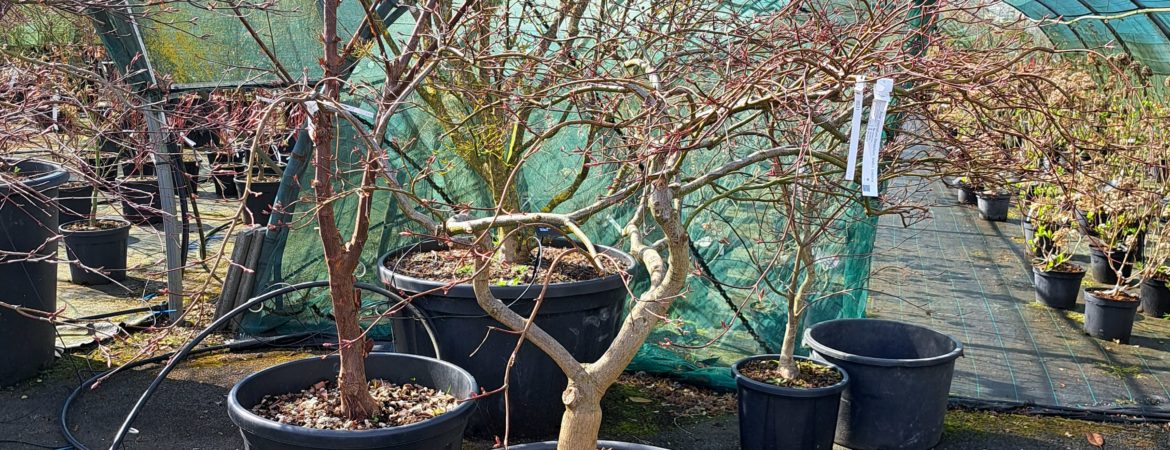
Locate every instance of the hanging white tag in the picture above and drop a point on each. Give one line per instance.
(855, 129)
(873, 136)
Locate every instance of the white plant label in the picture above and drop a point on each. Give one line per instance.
(855, 129)
(873, 136)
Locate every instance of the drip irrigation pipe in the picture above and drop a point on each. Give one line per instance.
(188, 349)
(1116, 415)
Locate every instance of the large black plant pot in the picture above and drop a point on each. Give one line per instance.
(224, 177)
(74, 202)
(259, 199)
(100, 255)
(900, 376)
(141, 202)
(965, 193)
(994, 207)
(1104, 267)
(1155, 298)
(444, 432)
(583, 316)
(1057, 289)
(774, 417)
(611, 445)
(28, 223)
(1107, 319)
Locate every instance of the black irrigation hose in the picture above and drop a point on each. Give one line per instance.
(1116, 415)
(188, 349)
(155, 308)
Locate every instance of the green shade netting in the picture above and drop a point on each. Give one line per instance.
(1143, 35)
(215, 50)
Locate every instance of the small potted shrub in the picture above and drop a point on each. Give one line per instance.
(994, 204)
(1057, 280)
(96, 247)
(1155, 274)
(965, 190)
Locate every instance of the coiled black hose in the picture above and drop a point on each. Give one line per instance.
(188, 349)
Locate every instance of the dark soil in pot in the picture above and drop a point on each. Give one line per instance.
(141, 202)
(899, 380)
(74, 201)
(1110, 316)
(28, 223)
(1155, 298)
(1104, 267)
(1058, 288)
(259, 199)
(98, 249)
(779, 414)
(993, 206)
(584, 316)
(438, 424)
(224, 178)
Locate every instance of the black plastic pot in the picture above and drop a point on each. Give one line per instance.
(1103, 268)
(141, 202)
(191, 173)
(444, 432)
(100, 254)
(1155, 298)
(582, 316)
(74, 202)
(28, 223)
(965, 194)
(614, 445)
(1107, 319)
(781, 418)
(257, 201)
(131, 168)
(224, 178)
(106, 167)
(900, 376)
(994, 207)
(1057, 289)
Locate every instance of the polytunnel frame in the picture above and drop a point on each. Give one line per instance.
(122, 37)
(1068, 31)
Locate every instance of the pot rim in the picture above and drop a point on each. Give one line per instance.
(1059, 274)
(241, 415)
(54, 175)
(124, 224)
(400, 281)
(1102, 301)
(552, 445)
(748, 382)
(883, 362)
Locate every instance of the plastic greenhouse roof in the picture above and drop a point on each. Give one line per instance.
(1138, 27)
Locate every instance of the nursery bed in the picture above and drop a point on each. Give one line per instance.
(970, 278)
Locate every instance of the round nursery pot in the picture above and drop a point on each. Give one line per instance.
(965, 193)
(609, 445)
(775, 417)
(224, 176)
(100, 253)
(443, 432)
(74, 202)
(141, 203)
(1155, 298)
(106, 167)
(1058, 289)
(258, 201)
(583, 316)
(994, 207)
(1103, 267)
(1109, 319)
(28, 223)
(900, 376)
(131, 168)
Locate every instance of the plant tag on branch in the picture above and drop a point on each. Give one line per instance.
(855, 129)
(873, 136)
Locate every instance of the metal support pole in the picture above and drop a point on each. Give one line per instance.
(166, 191)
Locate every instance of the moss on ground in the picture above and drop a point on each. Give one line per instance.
(990, 427)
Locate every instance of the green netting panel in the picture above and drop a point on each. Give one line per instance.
(723, 237)
(201, 44)
(1144, 35)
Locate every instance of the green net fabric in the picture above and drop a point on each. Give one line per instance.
(1140, 28)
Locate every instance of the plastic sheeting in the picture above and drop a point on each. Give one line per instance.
(1131, 26)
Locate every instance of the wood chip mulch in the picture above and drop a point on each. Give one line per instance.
(317, 406)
